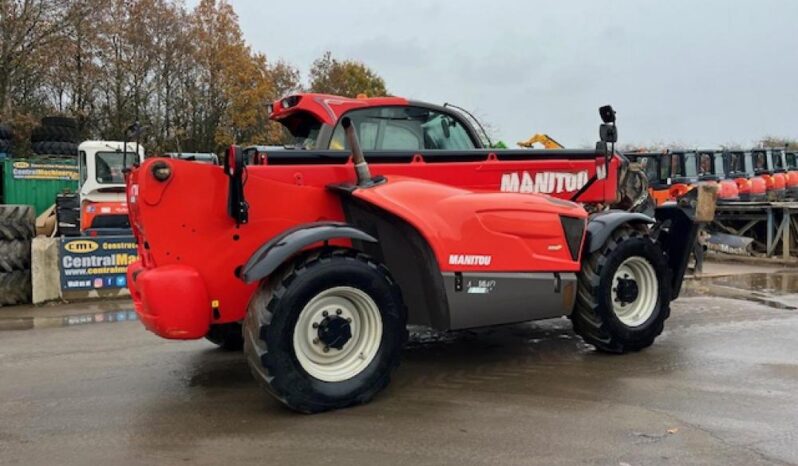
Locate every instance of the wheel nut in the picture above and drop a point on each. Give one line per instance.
(315, 325)
(339, 312)
(326, 349)
(325, 313)
(315, 341)
(349, 319)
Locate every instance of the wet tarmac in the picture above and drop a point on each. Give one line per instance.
(719, 387)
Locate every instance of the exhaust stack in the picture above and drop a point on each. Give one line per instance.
(361, 167)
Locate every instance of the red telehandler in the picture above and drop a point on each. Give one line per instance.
(394, 213)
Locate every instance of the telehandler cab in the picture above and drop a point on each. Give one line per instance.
(326, 256)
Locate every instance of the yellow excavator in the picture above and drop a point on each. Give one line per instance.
(544, 139)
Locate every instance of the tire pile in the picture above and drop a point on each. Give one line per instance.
(6, 139)
(55, 136)
(17, 228)
(67, 214)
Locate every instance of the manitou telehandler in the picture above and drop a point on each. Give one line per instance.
(750, 185)
(772, 170)
(326, 256)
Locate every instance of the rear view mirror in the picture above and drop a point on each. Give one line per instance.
(607, 114)
(608, 132)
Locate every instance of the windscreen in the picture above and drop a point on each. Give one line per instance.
(109, 166)
(404, 128)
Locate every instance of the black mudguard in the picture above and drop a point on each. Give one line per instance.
(600, 226)
(275, 252)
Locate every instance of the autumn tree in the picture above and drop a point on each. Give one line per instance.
(346, 78)
(187, 75)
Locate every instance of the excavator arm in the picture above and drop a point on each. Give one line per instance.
(544, 139)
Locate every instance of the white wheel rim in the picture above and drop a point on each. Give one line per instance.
(336, 365)
(635, 313)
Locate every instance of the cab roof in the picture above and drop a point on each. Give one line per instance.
(327, 108)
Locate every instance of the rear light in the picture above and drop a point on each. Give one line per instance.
(161, 171)
(574, 229)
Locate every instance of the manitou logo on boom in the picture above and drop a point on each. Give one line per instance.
(545, 182)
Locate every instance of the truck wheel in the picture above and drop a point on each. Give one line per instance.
(623, 294)
(326, 332)
(226, 336)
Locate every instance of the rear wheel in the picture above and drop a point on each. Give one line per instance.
(623, 294)
(327, 332)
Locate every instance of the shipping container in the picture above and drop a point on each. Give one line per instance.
(36, 181)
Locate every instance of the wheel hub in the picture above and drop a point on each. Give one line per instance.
(335, 331)
(627, 290)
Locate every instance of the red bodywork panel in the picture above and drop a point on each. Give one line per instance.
(89, 210)
(754, 186)
(456, 222)
(456, 206)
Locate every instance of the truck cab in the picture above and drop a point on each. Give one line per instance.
(383, 123)
(750, 185)
(657, 168)
(773, 171)
(100, 206)
(712, 168)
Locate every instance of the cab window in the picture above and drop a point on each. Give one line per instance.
(404, 128)
(777, 161)
(719, 164)
(791, 160)
(84, 174)
(109, 166)
(705, 163)
(690, 165)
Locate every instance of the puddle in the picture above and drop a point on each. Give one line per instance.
(27, 323)
(98, 318)
(778, 290)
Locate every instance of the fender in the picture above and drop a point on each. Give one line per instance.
(600, 226)
(275, 252)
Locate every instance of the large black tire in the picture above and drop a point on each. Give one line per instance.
(54, 133)
(594, 317)
(15, 287)
(67, 214)
(17, 222)
(60, 121)
(55, 148)
(227, 336)
(276, 308)
(14, 255)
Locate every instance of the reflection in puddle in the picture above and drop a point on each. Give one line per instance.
(778, 290)
(99, 318)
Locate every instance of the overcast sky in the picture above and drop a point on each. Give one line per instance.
(693, 72)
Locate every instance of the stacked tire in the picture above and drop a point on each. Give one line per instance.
(6, 139)
(55, 136)
(67, 214)
(17, 229)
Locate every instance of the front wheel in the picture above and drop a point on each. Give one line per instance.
(623, 296)
(326, 332)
